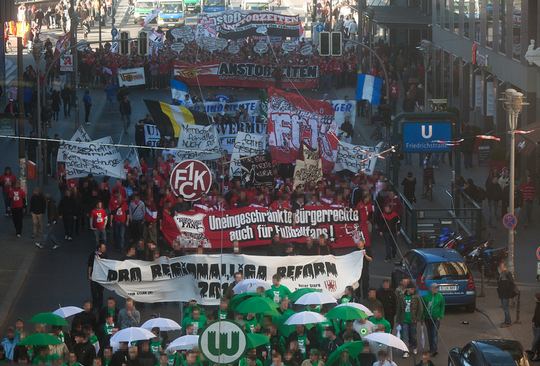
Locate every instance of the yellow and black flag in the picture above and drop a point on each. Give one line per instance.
(169, 118)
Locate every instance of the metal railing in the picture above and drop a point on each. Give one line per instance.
(421, 227)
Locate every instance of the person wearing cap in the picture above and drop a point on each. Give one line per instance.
(409, 312)
(314, 359)
(435, 304)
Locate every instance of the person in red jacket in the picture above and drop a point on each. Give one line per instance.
(98, 222)
(120, 219)
(7, 181)
(17, 200)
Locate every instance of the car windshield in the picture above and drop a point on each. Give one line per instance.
(145, 5)
(504, 354)
(171, 8)
(446, 270)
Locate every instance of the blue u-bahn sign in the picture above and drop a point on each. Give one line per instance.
(426, 136)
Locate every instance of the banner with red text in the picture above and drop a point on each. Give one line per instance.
(294, 120)
(253, 226)
(247, 74)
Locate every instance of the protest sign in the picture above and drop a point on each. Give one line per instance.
(236, 24)
(343, 109)
(94, 158)
(152, 136)
(206, 277)
(308, 170)
(131, 77)
(252, 107)
(245, 145)
(357, 158)
(133, 158)
(294, 120)
(198, 142)
(78, 136)
(253, 226)
(257, 171)
(66, 63)
(191, 231)
(247, 74)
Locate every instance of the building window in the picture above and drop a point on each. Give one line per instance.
(516, 29)
(456, 15)
(476, 14)
(502, 26)
(467, 4)
(489, 23)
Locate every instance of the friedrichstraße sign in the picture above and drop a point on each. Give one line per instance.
(426, 136)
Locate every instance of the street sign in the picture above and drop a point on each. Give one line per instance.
(426, 136)
(223, 342)
(190, 179)
(510, 221)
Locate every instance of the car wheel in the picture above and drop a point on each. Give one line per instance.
(471, 307)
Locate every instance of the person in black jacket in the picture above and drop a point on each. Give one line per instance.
(388, 298)
(83, 349)
(125, 111)
(506, 289)
(38, 206)
(494, 196)
(68, 211)
(535, 348)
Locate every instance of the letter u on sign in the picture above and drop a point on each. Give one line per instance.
(429, 132)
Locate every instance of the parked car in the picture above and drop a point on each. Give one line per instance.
(491, 352)
(445, 267)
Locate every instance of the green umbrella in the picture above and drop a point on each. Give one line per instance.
(40, 339)
(346, 313)
(353, 348)
(301, 292)
(255, 340)
(257, 305)
(49, 318)
(237, 299)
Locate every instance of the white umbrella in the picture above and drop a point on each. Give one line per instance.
(387, 339)
(132, 334)
(365, 309)
(316, 298)
(186, 342)
(305, 317)
(163, 324)
(250, 285)
(67, 311)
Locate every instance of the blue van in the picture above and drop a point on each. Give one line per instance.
(445, 267)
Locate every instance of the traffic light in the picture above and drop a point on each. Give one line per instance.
(143, 43)
(336, 43)
(330, 43)
(124, 43)
(324, 44)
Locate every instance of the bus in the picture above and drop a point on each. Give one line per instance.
(171, 13)
(213, 6)
(192, 6)
(142, 9)
(260, 5)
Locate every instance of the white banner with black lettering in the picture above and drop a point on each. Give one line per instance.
(93, 157)
(131, 77)
(252, 107)
(356, 158)
(79, 136)
(198, 142)
(151, 135)
(205, 277)
(245, 144)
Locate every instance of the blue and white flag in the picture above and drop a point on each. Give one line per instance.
(368, 87)
(179, 90)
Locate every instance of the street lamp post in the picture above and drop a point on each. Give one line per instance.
(425, 48)
(37, 50)
(513, 104)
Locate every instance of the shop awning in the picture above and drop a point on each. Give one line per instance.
(526, 144)
(400, 17)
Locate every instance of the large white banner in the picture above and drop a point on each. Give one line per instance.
(198, 142)
(93, 157)
(79, 136)
(245, 144)
(227, 133)
(205, 277)
(253, 108)
(356, 158)
(131, 77)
